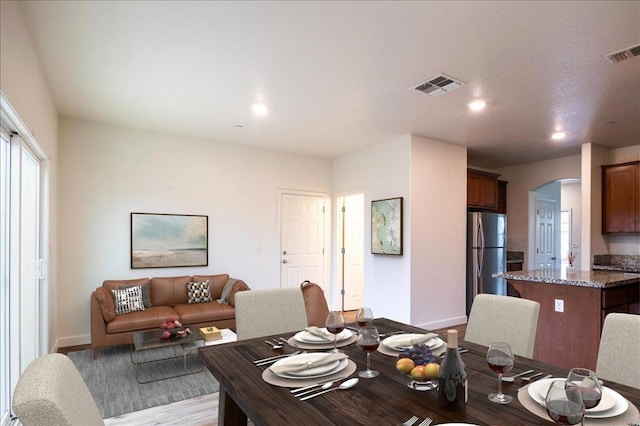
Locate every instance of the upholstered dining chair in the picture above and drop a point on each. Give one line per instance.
(618, 356)
(51, 391)
(314, 303)
(507, 319)
(271, 311)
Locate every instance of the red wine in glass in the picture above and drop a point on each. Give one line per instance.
(335, 324)
(364, 317)
(500, 364)
(368, 341)
(363, 323)
(335, 329)
(590, 397)
(369, 346)
(565, 412)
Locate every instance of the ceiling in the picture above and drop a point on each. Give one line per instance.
(339, 76)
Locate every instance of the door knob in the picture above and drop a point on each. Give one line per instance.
(284, 261)
(284, 252)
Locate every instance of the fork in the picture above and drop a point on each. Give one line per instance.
(410, 421)
(426, 422)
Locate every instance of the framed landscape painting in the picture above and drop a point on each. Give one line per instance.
(386, 226)
(168, 240)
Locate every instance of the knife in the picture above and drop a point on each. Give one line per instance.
(273, 358)
(548, 376)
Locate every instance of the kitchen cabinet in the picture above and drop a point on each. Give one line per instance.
(621, 198)
(482, 190)
(514, 266)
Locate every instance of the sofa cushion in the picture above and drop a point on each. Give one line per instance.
(216, 283)
(107, 305)
(169, 291)
(128, 299)
(199, 292)
(141, 320)
(203, 312)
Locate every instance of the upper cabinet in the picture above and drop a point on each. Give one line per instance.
(482, 190)
(621, 198)
(502, 196)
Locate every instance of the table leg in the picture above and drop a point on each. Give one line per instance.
(229, 414)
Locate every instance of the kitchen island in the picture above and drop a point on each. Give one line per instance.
(572, 309)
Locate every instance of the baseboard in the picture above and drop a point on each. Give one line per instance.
(64, 342)
(435, 325)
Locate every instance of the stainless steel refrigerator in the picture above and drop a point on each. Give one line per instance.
(486, 254)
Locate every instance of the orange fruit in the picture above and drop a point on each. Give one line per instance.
(418, 372)
(405, 365)
(432, 371)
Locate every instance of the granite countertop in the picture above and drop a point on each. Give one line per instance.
(615, 268)
(596, 279)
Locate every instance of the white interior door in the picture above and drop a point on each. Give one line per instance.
(545, 234)
(302, 240)
(353, 253)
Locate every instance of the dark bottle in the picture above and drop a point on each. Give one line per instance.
(452, 383)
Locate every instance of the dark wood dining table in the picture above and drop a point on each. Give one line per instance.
(385, 399)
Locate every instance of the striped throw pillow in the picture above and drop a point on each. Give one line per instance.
(128, 299)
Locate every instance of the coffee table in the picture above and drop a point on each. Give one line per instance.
(145, 340)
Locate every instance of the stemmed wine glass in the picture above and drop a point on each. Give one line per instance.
(564, 403)
(364, 317)
(500, 360)
(335, 324)
(588, 385)
(368, 341)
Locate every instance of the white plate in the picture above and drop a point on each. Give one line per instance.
(306, 337)
(311, 373)
(392, 341)
(619, 407)
(606, 403)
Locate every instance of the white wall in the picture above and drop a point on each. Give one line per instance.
(572, 201)
(382, 171)
(438, 233)
(23, 84)
(108, 172)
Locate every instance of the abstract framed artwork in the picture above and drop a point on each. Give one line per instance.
(386, 226)
(169, 240)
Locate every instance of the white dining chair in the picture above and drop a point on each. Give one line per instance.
(51, 391)
(507, 319)
(272, 311)
(618, 353)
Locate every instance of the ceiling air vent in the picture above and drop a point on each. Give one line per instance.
(439, 85)
(624, 54)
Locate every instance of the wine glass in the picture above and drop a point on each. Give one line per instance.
(564, 403)
(500, 360)
(588, 384)
(364, 317)
(335, 324)
(368, 341)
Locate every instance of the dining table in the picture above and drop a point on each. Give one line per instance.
(386, 399)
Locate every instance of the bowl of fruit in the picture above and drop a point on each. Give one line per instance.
(420, 365)
(172, 328)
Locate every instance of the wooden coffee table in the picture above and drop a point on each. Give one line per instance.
(145, 340)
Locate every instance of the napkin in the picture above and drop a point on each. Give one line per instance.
(317, 331)
(292, 367)
(400, 343)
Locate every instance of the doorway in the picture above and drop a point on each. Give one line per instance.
(302, 239)
(350, 249)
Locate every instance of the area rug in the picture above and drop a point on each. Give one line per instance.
(112, 382)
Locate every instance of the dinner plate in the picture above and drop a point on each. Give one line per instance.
(391, 342)
(306, 337)
(620, 404)
(311, 373)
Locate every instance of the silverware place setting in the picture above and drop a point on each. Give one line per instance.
(413, 419)
(272, 359)
(347, 384)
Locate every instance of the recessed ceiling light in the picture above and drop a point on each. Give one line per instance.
(559, 135)
(259, 108)
(477, 105)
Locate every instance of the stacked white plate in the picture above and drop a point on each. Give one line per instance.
(395, 342)
(306, 337)
(310, 373)
(612, 403)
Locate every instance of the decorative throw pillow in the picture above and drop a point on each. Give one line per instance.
(226, 291)
(199, 292)
(128, 299)
(146, 297)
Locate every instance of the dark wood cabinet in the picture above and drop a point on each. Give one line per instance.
(502, 196)
(514, 266)
(621, 198)
(482, 190)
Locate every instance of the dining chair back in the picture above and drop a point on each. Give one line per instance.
(507, 319)
(314, 303)
(271, 311)
(51, 391)
(618, 353)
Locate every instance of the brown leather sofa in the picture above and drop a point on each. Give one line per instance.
(169, 298)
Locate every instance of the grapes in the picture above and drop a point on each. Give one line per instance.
(419, 353)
